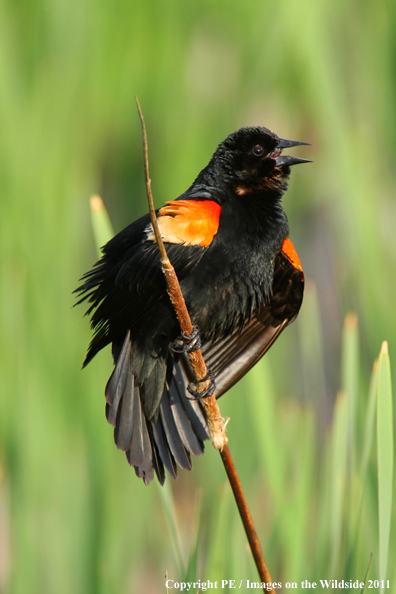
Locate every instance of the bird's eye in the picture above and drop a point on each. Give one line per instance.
(258, 150)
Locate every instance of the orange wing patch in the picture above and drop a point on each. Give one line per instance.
(189, 222)
(291, 254)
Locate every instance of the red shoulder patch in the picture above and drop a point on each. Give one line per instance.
(291, 254)
(189, 222)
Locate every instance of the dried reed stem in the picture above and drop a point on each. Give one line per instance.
(216, 422)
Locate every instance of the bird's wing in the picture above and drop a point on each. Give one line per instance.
(231, 357)
(128, 281)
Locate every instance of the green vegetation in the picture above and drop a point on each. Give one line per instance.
(316, 466)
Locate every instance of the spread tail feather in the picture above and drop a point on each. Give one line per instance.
(154, 440)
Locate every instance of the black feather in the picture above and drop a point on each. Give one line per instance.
(163, 447)
(116, 385)
(136, 453)
(145, 470)
(124, 426)
(183, 425)
(172, 435)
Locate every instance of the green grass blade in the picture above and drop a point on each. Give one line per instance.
(195, 524)
(349, 385)
(368, 429)
(101, 223)
(220, 534)
(264, 413)
(349, 377)
(167, 501)
(338, 475)
(366, 576)
(192, 564)
(385, 457)
(361, 483)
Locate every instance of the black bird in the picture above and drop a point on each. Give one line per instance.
(227, 238)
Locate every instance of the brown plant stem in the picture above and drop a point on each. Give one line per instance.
(246, 517)
(216, 423)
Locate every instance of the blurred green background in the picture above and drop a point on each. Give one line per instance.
(73, 516)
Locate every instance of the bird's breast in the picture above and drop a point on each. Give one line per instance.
(229, 284)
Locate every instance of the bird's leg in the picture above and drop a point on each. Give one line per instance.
(193, 387)
(187, 343)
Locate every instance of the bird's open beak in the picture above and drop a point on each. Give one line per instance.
(283, 144)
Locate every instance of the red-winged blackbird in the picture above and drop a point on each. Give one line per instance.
(227, 237)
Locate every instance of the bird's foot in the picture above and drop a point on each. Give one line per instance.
(194, 390)
(187, 343)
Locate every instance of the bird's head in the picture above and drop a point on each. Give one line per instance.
(251, 160)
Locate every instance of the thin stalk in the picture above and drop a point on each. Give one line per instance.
(216, 422)
(246, 517)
